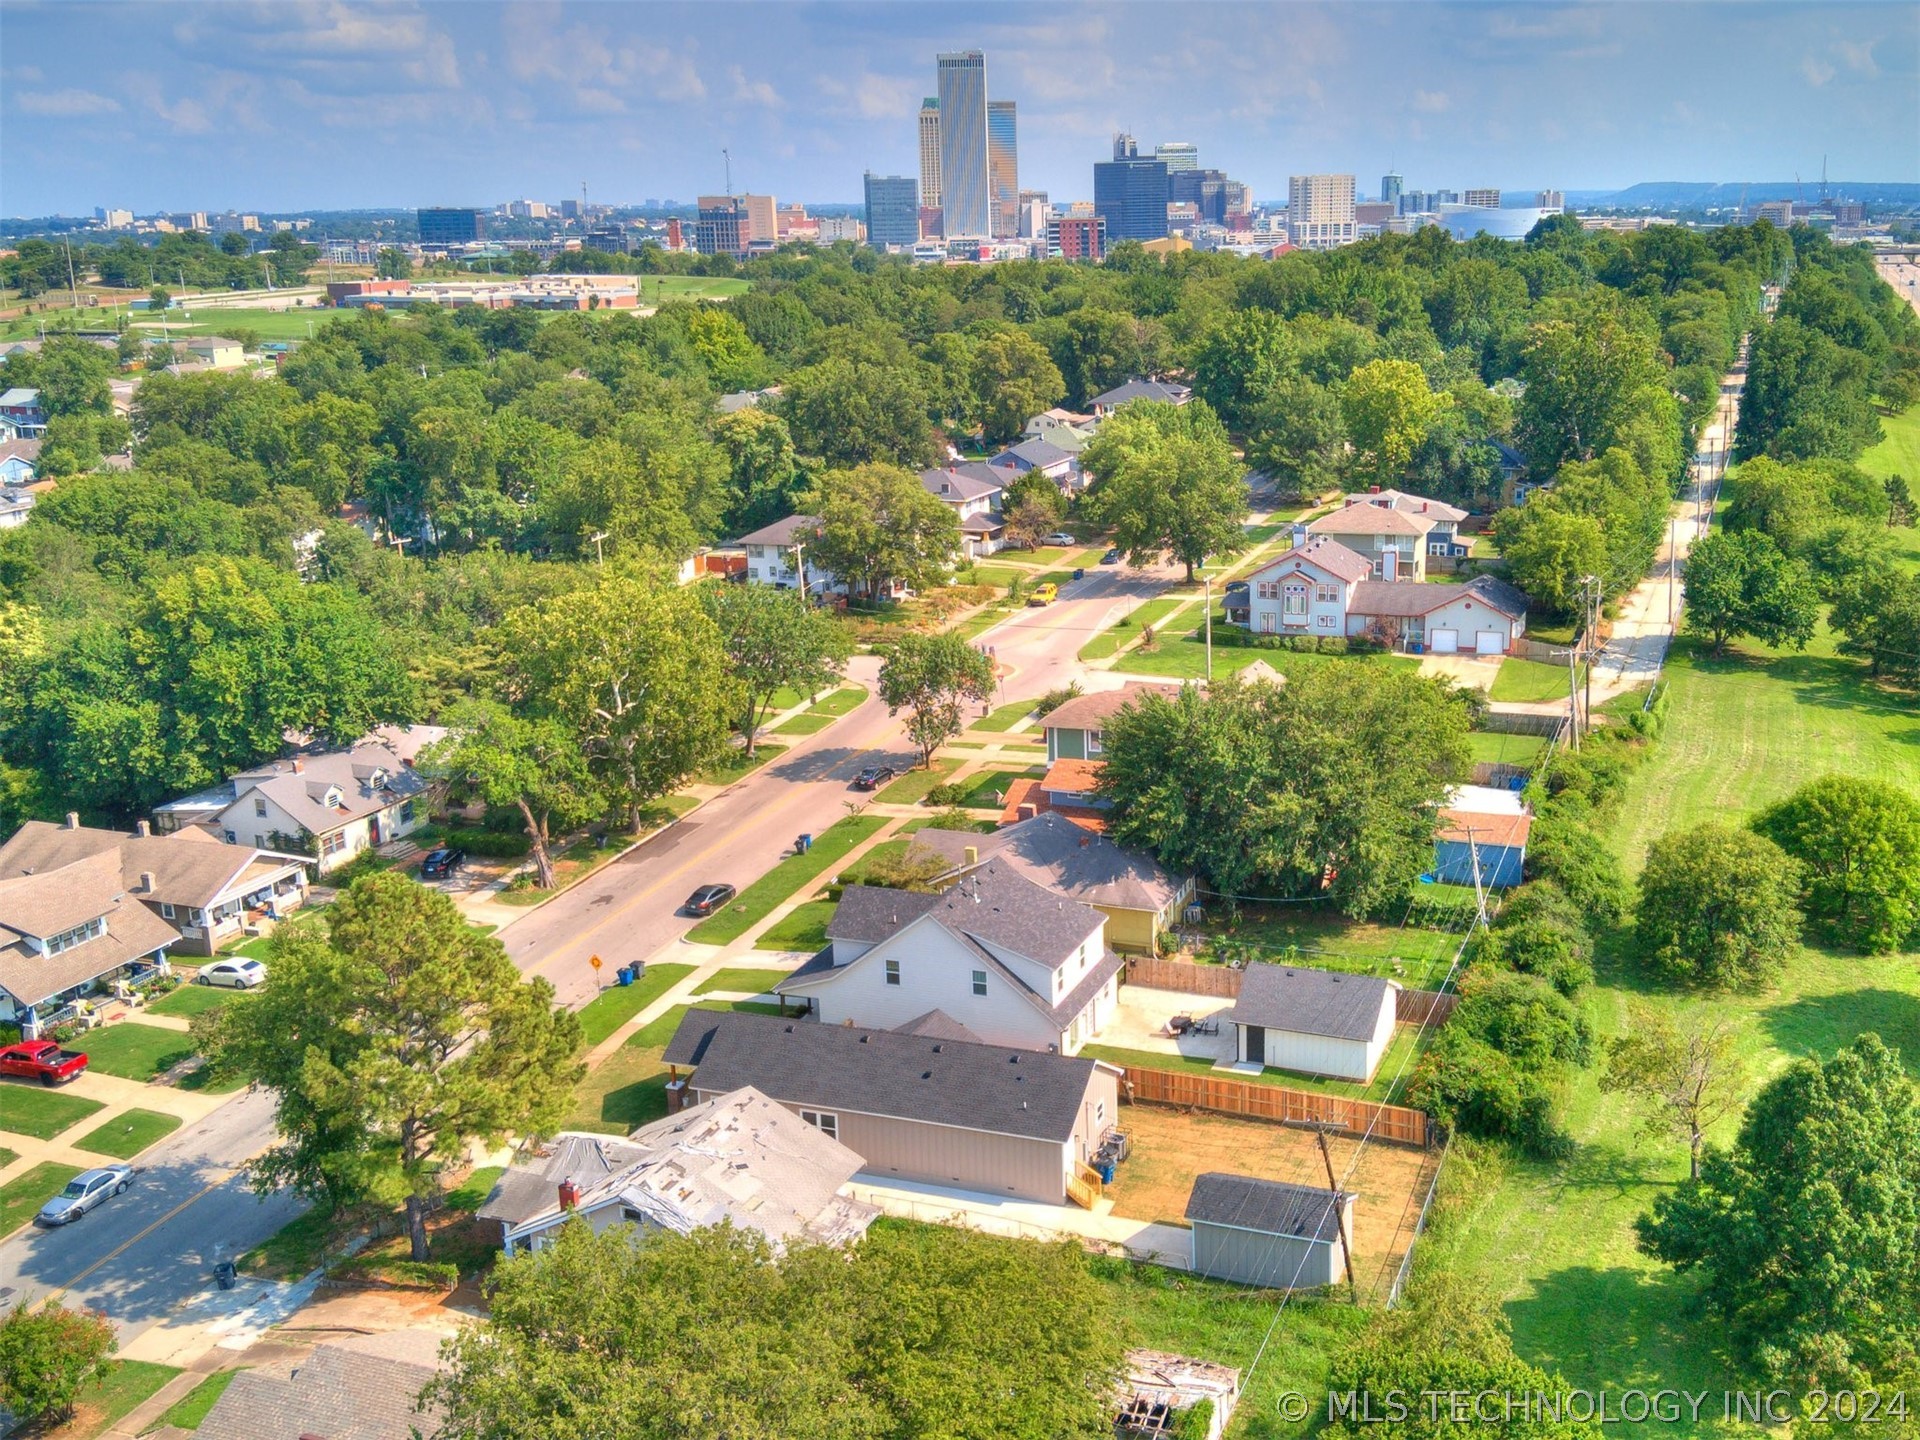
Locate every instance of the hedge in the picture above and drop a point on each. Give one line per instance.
(491, 844)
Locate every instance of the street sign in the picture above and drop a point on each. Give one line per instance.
(596, 962)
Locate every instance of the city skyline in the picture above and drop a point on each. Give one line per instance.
(157, 107)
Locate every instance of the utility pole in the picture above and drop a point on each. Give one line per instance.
(1339, 1210)
(73, 286)
(1207, 581)
(1593, 635)
(800, 568)
(1673, 562)
(1572, 652)
(599, 555)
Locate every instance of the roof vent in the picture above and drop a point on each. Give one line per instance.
(936, 1049)
(146, 881)
(789, 1029)
(864, 1039)
(143, 829)
(73, 819)
(926, 1074)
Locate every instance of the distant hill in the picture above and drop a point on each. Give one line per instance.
(1695, 194)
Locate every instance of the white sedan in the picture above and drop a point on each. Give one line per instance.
(234, 974)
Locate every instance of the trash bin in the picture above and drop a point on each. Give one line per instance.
(225, 1276)
(1105, 1167)
(802, 844)
(1079, 574)
(625, 974)
(639, 969)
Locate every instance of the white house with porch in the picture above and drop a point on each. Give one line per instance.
(776, 554)
(1321, 588)
(972, 491)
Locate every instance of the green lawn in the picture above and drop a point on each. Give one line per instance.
(785, 880)
(187, 1413)
(912, 787)
(1416, 956)
(1898, 452)
(803, 928)
(1185, 658)
(629, 1088)
(886, 851)
(471, 1193)
(128, 1133)
(1006, 717)
(613, 1007)
(1522, 681)
(22, 1197)
(30, 1109)
(114, 1395)
(1388, 1083)
(1495, 749)
(297, 1248)
(136, 1052)
(1128, 627)
(737, 766)
(830, 708)
(7, 1157)
(190, 1000)
(224, 320)
(983, 791)
(748, 980)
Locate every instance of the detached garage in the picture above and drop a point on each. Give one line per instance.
(1315, 1022)
(1268, 1233)
(1483, 616)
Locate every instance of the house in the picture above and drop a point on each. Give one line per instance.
(737, 1158)
(71, 931)
(1041, 456)
(1444, 538)
(1392, 542)
(1321, 588)
(208, 892)
(734, 401)
(17, 461)
(1012, 961)
(21, 411)
(972, 491)
(1268, 1233)
(329, 804)
(216, 352)
(1307, 590)
(361, 1387)
(1074, 729)
(1062, 429)
(1483, 834)
(1164, 391)
(16, 506)
(1070, 789)
(775, 552)
(1513, 471)
(1315, 1022)
(932, 1111)
(1139, 898)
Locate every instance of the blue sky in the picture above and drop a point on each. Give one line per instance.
(294, 104)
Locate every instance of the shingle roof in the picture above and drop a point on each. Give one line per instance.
(1327, 553)
(871, 913)
(1364, 519)
(1141, 390)
(1409, 504)
(1409, 598)
(20, 398)
(385, 756)
(937, 1025)
(1038, 452)
(47, 904)
(991, 1088)
(959, 482)
(1064, 858)
(1274, 1207)
(1301, 1001)
(1089, 712)
(1073, 777)
(780, 532)
(984, 523)
(363, 1388)
(999, 906)
(1492, 831)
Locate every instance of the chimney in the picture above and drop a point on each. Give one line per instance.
(569, 1195)
(1373, 489)
(972, 852)
(1027, 811)
(298, 765)
(146, 882)
(143, 829)
(73, 819)
(1085, 840)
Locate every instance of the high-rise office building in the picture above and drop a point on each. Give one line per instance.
(440, 225)
(1206, 190)
(966, 191)
(930, 152)
(1391, 188)
(893, 211)
(1034, 210)
(1550, 199)
(1131, 194)
(763, 219)
(1003, 166)
(1077, 237)
(1178, 155)
(1482, 199)
(1320, 211)
(722, 226)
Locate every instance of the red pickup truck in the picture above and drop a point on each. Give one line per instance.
(41, 1060)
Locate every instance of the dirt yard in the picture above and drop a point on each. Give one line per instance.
(1171, 1147)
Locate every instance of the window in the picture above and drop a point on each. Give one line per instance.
(259, 841)
(406, 813)
(827, 1125)
(1268, 589)
(1325, 622)
(1266, 621)
(1327, 594)
(333, 844)
(1099, 1112)
(78, 935)
(1094, 740)
(893, 972)
(1294, 602)
(979, 982)
(166, 911)
(259, 805)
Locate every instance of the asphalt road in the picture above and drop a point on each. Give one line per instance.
(138, 1256)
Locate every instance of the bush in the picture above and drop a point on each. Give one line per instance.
(1565, 848)
(1233, 637)
(947, 795)
(1195, 1422)
(1717, 907)
(1054, 699)
(490, 844)
(397, 1273)
(1542, 932)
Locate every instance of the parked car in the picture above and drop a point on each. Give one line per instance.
(1112, 557)
(709, 898)
(86, 1190)
(442, 863)
(42, 1060)
(1061, 537)
(873, 777)
(233, 974)
(1044, 594)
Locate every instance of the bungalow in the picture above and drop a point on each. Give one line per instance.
(1483, 835)
(328, 804)
(1164, 391)
(1268, 1233)
(1139, 898)
(1321, 588)
(1013, 962)
(737, 1158)
(1075, 728)
(17, 461)
(1392, 542)
(1314, 1022)
(1444, 538)
(924, 1109)
(972, 491)
(1058, 464)
(375, 1379)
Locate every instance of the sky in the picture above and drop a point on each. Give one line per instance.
(278, 105)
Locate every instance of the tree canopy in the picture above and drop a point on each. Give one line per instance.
(1167, 482)
(1717, 907)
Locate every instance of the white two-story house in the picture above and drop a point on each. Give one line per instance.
(1444, 538)
(1009, 961)
(777, 552)
(972, 491)
(1305, 591)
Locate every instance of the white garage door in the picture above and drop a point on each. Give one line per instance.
(1490, 642)
(1445, 642)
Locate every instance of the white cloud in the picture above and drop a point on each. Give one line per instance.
(1817, 71)
(66, 104)
(752, 92)
(1857, 57)
(1432, 102)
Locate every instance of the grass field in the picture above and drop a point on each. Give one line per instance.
(1898, 452)
(188, 1412)
(629, 1087)
(1495, 749)
(613, 1007)
(1185, 658)
(786, 879)
(745, 979)
(803, 928)
(190, 1000)
(29, 1109)
(982, 791)
(912, 787)
(886, 850)
(1388, 1082)
(136, 1052)
(290, 324)
(1522, 681)
(1128, 627)
(113, 1395)
(128, 1133)
(819, 716)
(1006, 717)
(22, 1196)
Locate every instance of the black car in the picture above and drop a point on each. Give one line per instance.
(873, 777)
(442, 863)
(1112, 557)
(709, 898)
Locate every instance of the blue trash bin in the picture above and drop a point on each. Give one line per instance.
(1079, 574)
(1105, 1168)
(625, 974)
(803, 843)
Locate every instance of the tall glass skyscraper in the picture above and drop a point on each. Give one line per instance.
(1003, 166)
(966, 190)
(893, 211)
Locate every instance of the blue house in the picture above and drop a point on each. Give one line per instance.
(1487, 825)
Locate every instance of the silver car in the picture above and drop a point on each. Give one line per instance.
(86, 1190)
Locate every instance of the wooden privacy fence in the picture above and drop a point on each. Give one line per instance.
(1410, 1007)
(1417, 1007)
(1277, 1103)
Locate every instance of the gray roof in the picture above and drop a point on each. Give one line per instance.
(963, 481)
(1409, 598)
(1272, 1206)
(1141, 390)
(44, 905)
(361, 1388)
(991, 1088)
(1301, 1001)
(870, 913)
(20, 398)
(998, 906)
(984, 523)
(937, 1025)
(1064, 858)
(368, 776)
(1038, 452)
(1362, 519)
(1409, 504)
(1329, 554)
(780, 532)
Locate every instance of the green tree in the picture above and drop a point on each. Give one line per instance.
(878, 523)
(1688, 1080)
(1805, 1234)
(1549, 551)
(1496, 1065)
(1717, 907)
(1858, 844)
(533, 765)
(1587, 372)
(393, 263)
(635, 670)
(1013, 380)
(1739, 583)
(158, 298)
(765, 476)
(932, 678)
(733, 361)
(1167, 481)
(1877, 612)
(47, 1354)
(1388, 409)
(852, 414)
(1296, 435)
(774, 641)
(393, 1042)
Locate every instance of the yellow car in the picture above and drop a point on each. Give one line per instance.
(1044, 594)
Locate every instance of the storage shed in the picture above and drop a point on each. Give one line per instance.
(1268, 1232)
(1317, 1022)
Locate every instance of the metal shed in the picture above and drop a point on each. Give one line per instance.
(1267, 1232)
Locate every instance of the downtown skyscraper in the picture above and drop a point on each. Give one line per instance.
(1003, 166)
(966, 188)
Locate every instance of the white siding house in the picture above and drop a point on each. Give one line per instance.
(776, 553)
(1313, 1022)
